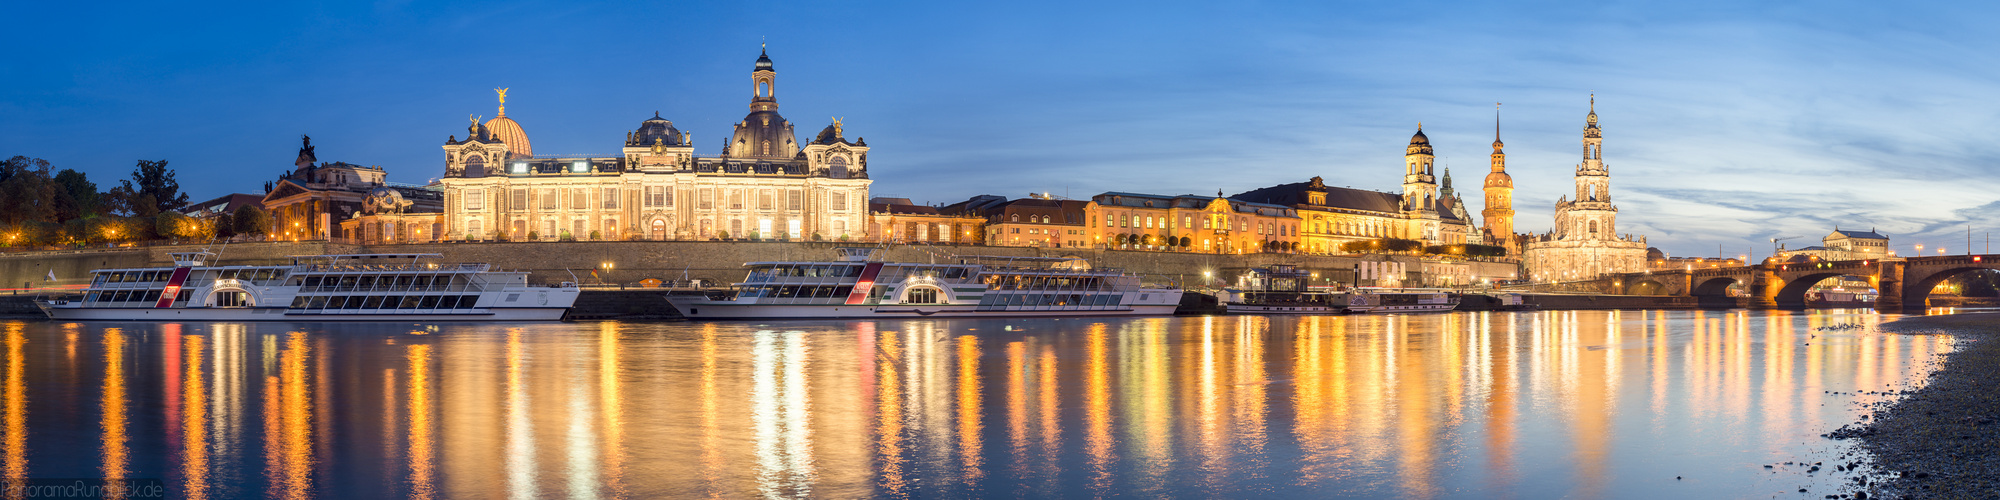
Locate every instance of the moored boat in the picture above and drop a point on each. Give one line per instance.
(351, 287)
(1279, 290)
(1399, 300)
(858, 285)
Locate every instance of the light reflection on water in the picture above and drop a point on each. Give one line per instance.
(1545, 404)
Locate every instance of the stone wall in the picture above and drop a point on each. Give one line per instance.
(719, 262)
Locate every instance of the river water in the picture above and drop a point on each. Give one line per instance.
(1473, 405)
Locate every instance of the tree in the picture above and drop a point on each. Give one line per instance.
(84, 199)
(151, 190)
(27, 193)
(176, 226)
(251, 220)
(225, 225)
(722, 235)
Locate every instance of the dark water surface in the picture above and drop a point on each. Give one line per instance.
(1530, 405)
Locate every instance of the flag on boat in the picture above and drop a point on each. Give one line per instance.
(52, 276)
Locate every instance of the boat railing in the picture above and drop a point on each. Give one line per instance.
(391, 268)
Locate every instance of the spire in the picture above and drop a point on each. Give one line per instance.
(1496, 129)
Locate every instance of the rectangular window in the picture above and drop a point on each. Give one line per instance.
(656, 196)
(837, 200)
(793, 196)
(764, 199)
(1187, 222)
(475, 199)
(1124, 221)
(520, 199)
(610, 229)
(707, 198)
(610, 197)
(579, 199)
(548, 199)
(667, 196)
(736, 199)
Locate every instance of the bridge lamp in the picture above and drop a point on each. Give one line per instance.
(1940, 250)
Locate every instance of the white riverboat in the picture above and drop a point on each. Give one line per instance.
(1398, 300)
(355, 287)
(860, 286)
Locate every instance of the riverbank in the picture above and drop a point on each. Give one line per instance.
(1939, 441)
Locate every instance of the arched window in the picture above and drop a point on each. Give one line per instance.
(837, 167)
(475, 166)
(1593, 228)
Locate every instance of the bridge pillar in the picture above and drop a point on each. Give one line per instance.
(1890, 287)
(1764, 286)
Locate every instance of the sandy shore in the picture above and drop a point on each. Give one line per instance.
(1941, 441)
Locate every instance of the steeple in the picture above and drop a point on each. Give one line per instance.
(1499, 212)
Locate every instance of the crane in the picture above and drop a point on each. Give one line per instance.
(1774, 244)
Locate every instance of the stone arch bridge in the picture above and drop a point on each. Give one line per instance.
(1905, 283)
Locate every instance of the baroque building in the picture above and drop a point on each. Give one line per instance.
(764, 184)
(1585, 242)
(1843, 244)
(1331, 216)
(310, 201)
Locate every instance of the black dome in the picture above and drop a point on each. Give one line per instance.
(660, 129)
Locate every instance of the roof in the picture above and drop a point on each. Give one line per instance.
(1860, 234)
(226, 204)
(1336, 197)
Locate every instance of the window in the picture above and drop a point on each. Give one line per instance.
(548, 199)
(1187, 222)
(793, 197)
(736, 228)
(579, 199)
(610, 199)
(793, 227)
(520, 199)
(764, 199)
(838, 200)
(736, 199)
(764, 228)
(577, 230)
(839, 228)
(473, 229)
(1149, 222)
(580, 167)
(708, 198)
(548, 229)
(1124, 221)
(610, 229)
(475, 199)
(475, 166)
(656, 196)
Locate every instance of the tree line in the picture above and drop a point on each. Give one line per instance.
(43, 207)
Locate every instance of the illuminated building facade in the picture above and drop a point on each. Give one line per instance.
(309, 202)
(1189, 223)
(763, 185)
(1585, 242)
(1330, 216)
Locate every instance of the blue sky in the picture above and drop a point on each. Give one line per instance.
(1725, 125)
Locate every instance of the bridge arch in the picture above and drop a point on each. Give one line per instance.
(1793, 294)
(1713, 291)
(1917, 293)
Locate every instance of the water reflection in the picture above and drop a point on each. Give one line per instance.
(1565, 403)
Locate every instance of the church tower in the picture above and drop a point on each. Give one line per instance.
(1419, 184)
(1591, 216)
(1499, 212)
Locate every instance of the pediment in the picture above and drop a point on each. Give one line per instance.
(285, 189)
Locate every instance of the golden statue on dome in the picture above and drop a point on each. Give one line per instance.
(503, 100)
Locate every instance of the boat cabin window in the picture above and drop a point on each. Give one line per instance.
(922, 295)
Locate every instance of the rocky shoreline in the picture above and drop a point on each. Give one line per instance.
(1940, 441)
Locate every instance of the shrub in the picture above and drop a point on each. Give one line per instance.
(596, 235)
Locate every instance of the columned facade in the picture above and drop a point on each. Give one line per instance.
(763, 185)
